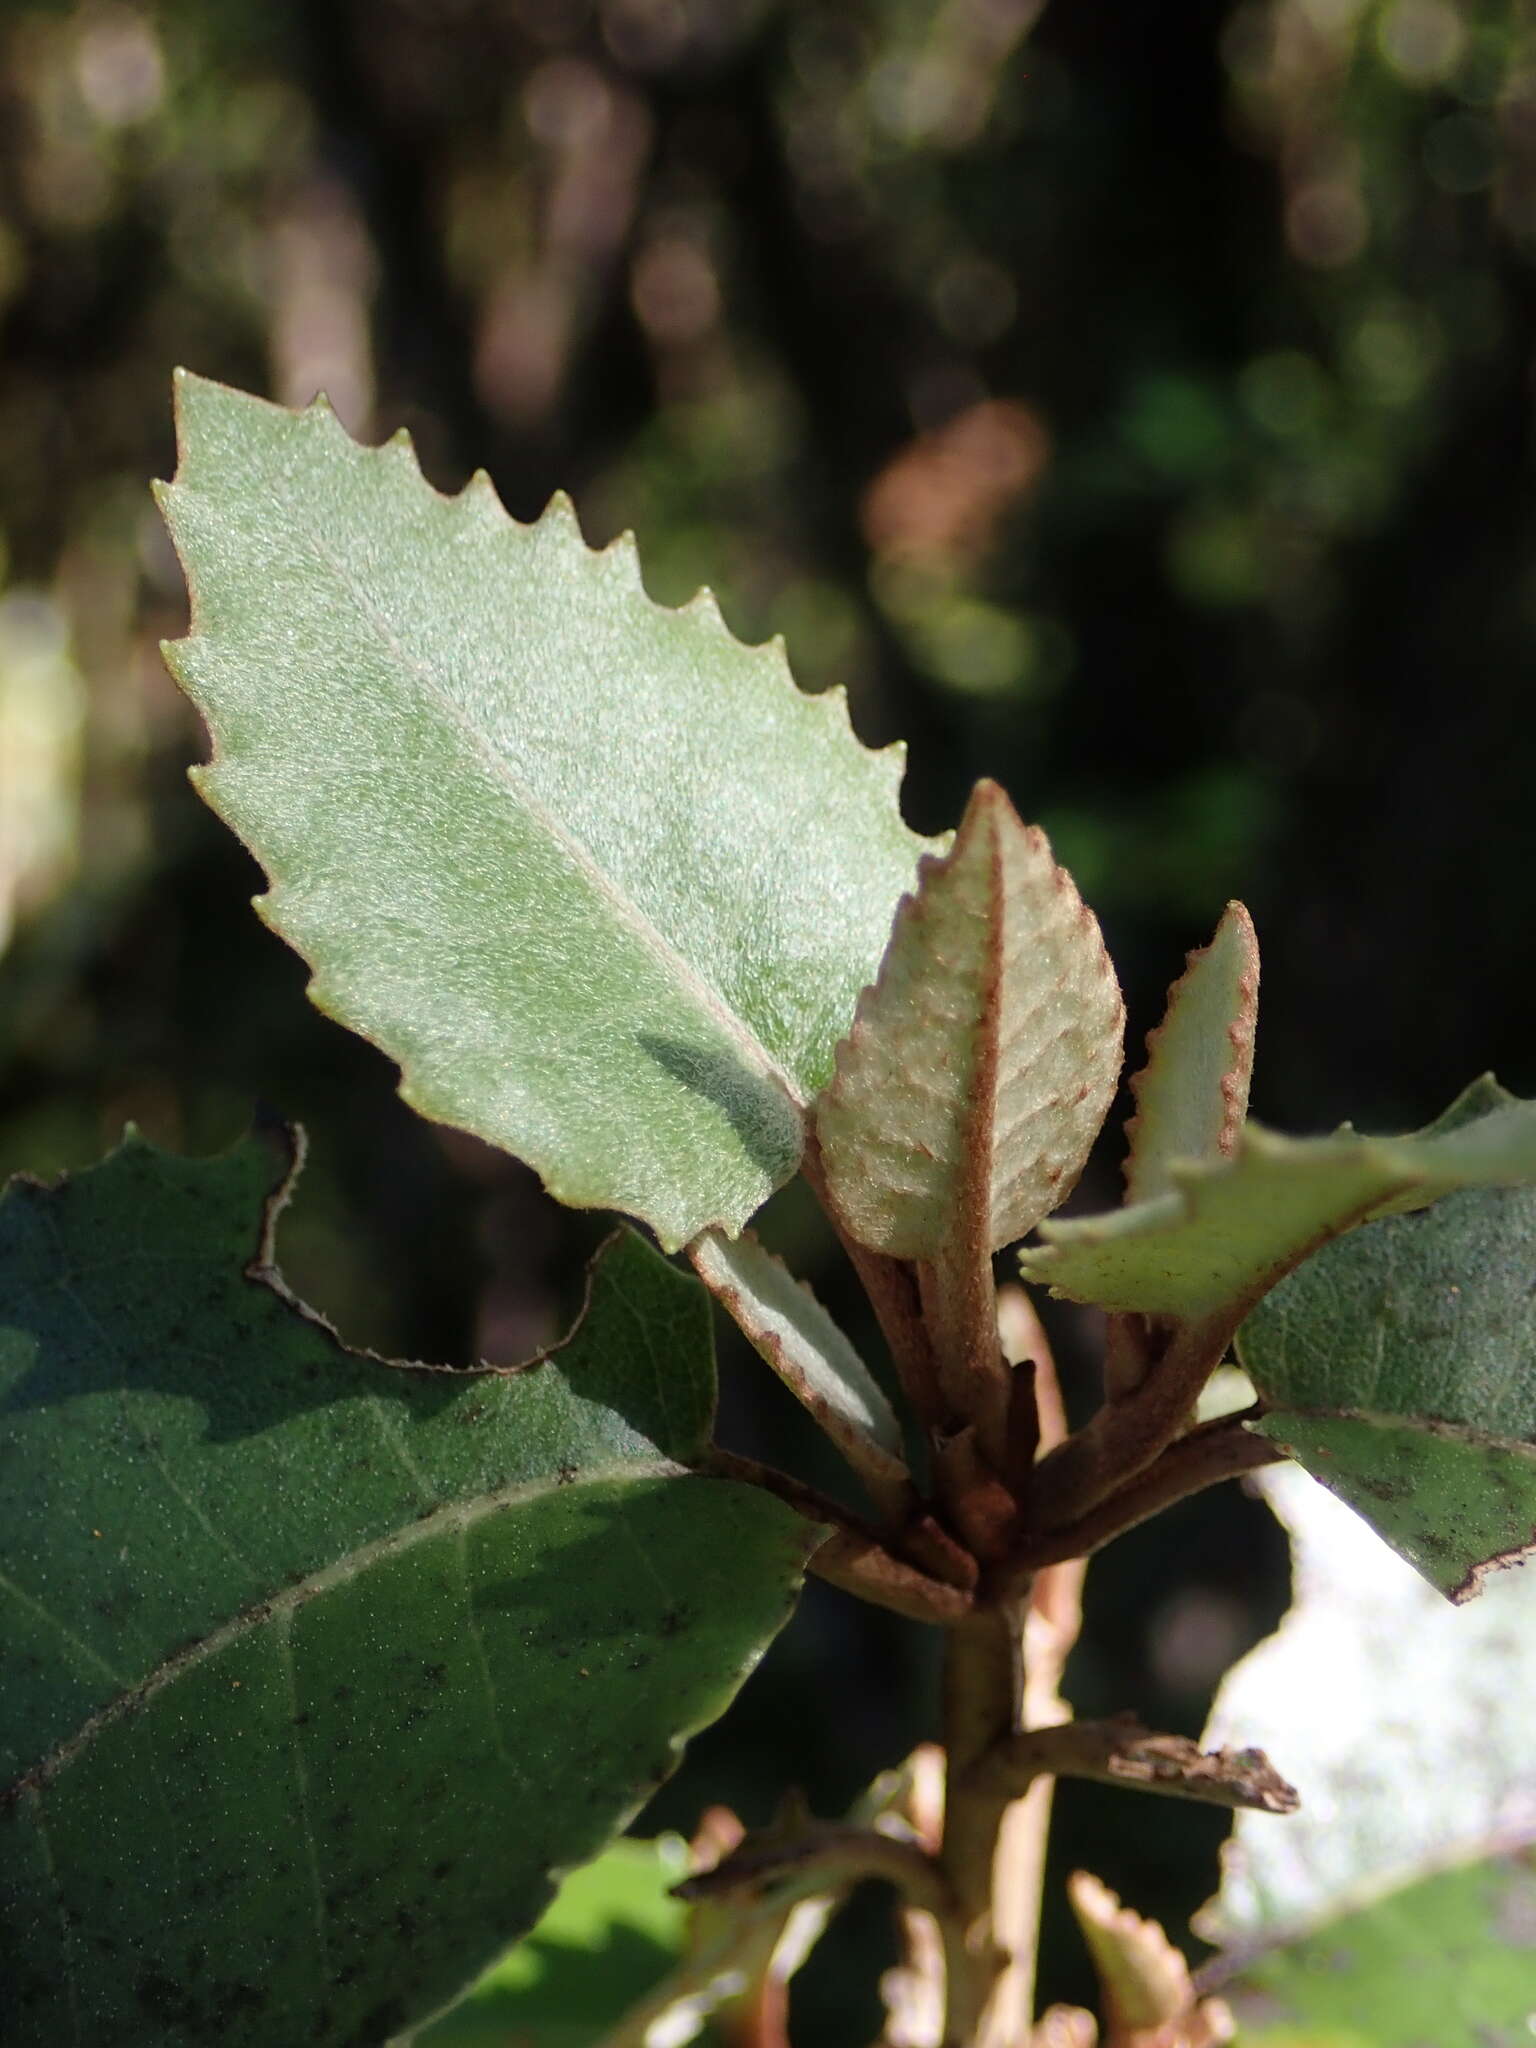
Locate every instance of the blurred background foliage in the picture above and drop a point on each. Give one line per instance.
(1134, 403)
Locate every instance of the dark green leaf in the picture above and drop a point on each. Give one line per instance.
(1399, 1366)
(316, 1670)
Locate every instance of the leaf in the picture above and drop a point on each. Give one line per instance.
(1192, 1095)
(317, 1672)
(599, 879)
(1399, 1366)
(788, 1326)
(1405, 1723)
(1450, 1960)
(610, 1935)
(982, 1062)
(1233, 1227)
(1149, 2001)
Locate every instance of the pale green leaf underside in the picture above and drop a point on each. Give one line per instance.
(1233, 1227)
(317, 1671)
(1192, 1095)
(793, 1332)
(1449, 1961)
(1399, 1366)
(981, 1064)
(599, 879)
(1404, 1723)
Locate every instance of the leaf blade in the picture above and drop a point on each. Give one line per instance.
(1399, 1366)
(981, 1063)
(382, 1592)
(634, 980)
(1444, 1960)
(1192, 1094)
(1232, 1228)
(791, 1330)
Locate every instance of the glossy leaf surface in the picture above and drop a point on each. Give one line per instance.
(316, 1671)
(981, 1064)
(600, 879)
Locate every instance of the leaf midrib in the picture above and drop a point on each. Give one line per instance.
(453, 1517)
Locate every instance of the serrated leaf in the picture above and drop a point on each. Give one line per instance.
(788, 1326)
(1405, 1724)
(981, 1064)
(317, 1671)
(1232, 1228)
(1192, 1094)
(1399, 1366)
(1450, 1960)
(1147, 1994)
(599, 879)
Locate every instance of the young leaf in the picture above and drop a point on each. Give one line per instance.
(981, 1063)
(1232, 1228)
(1192, 1095)
(1405, 1723)
(599, 879)
(1399, 1366)
(1149, 2000)
(318, 1671)
(785, 1322)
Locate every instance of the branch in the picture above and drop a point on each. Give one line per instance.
(891, 1286)
(1121, 1752)
(853, 1557)
(1126, 1436)
(1203, 1456)
(811, 1854)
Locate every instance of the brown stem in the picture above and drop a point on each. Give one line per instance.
(869, 1572)
(806, 1500)
(853, 1555)
(1126, 1436)
(983, 1700)
(1000, 1679)
(891, 1286)
(1028, 1351)
(959, 1303)
(1206, 1455)
(822, 1853)
(1121, 1752)
(1052, 1620)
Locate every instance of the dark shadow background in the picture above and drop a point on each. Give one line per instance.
(1130, 402)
